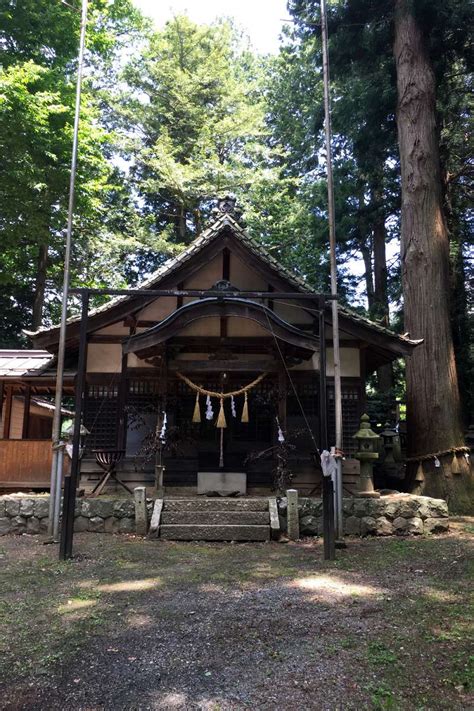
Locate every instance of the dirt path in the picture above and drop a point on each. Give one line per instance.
(133, 624)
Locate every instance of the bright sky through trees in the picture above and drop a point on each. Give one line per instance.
(261, 19)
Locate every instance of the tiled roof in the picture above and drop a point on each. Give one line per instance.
(205, 238)
(21, 363)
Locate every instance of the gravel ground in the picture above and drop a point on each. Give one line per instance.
(134, 624)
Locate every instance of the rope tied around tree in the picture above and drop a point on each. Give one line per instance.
(435, 455)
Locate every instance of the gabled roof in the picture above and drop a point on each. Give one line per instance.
(226, 223)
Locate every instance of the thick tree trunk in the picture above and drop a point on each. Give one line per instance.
(433, 404)
(40, 286)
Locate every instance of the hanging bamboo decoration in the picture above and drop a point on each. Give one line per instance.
(197, 410)
(245, 410)
(221, 421)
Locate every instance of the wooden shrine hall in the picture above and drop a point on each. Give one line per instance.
(188, 388)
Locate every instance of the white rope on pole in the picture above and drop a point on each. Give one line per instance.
(56, 465)
(334, 304)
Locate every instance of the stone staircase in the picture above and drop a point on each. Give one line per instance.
(215, 519)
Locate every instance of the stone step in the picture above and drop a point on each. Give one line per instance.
(191, 532)
(216, 504)
(216, 517)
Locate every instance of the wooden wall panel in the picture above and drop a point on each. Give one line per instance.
(25, 463)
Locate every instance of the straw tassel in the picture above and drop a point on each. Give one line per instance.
(455, 466)
(197, 410)
(420, 475)
(245, 410)
(221, 421)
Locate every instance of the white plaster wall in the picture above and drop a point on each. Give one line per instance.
(104, 358)
(292, 312)
(203, 327)
(350, 363)
(245, 327)
(158, 309)
(115, 329)
(245, 278)
(207, 276)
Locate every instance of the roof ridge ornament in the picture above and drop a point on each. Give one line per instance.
(227, 205)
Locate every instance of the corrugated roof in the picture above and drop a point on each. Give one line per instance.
(205, 238)
(21, 363)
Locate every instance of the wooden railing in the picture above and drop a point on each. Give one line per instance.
(25, 463)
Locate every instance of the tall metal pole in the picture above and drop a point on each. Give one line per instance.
(70, 481)
(56, 465)
(327, 483)
(332, 250)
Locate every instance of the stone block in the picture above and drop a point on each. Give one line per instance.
(352, 526)
(400, 526)
(432, 508)
(124, 509)
(96, 525)
(223, 482)
(2, 507)
(109, 524)
(347, 506)
(81, 523)
(41, 508)
(26, 507)
(43, 524)
(436, 525)
(368, 526)
(309, 525)
(365, 506)
(100, 507)
(12, 507)
(293, 520)
(390, 509)
(18, 524)
(33, 525)
(85, 508)
(408, 506)
(384, 526)
(126, 525)
(4, 525)
(141, 514)
(414, 526)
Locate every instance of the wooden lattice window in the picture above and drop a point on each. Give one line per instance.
(100, 416)
(351, 403)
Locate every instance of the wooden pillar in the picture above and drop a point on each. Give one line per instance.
(26, 412)
(282, 397)
(226, 264)
(2, 393)
(122, 405)
(8, 412)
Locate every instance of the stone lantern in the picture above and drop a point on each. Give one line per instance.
(388, 435)
(367, 441)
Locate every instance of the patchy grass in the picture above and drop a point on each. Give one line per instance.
(132, 623)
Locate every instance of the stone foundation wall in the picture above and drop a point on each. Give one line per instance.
(396, 514)
(29, 514)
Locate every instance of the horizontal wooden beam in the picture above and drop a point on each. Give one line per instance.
(234, 366)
